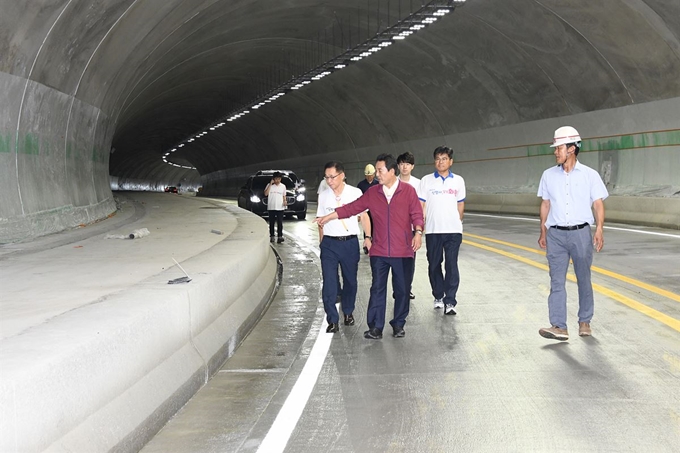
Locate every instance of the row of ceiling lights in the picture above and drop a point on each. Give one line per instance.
(418, 20)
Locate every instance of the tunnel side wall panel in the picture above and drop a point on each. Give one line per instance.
(56, 172)
(635, 149)
(11, 89)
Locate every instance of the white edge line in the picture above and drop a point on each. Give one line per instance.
(287, 419)
(629, 230)
(278, 435)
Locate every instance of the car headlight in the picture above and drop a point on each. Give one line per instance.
(302, 189)
(300, 197)
(255, 199)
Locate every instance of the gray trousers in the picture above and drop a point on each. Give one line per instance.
(561, 246)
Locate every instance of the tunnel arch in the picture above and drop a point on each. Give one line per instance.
(83, 78)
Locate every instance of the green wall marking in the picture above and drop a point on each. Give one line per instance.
(5, 141)
(31, 145)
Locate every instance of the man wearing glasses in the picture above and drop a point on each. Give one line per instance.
(443, 196)
(395, 207)
(339, 246)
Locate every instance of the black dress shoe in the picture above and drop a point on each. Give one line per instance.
(373, 334)
(332, 328)
(398, 332)
(412, 296)
(349, 320)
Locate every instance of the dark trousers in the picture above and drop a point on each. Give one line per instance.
(402, 270)
(345, 254)
(276, 216)
(443, 247)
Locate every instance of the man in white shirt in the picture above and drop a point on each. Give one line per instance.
(276, 204)
(339, 246)
(406, 163)
(442, 194)
(569, 190)
(323, 185)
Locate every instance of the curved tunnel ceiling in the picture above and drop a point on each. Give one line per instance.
(164, 70)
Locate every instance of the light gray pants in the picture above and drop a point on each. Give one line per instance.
(562, 245)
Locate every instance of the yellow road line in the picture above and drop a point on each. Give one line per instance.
(635, 305)
(599, 270)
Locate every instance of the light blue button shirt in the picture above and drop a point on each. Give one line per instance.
(571, 194)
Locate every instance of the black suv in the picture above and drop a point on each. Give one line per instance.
(251, 196)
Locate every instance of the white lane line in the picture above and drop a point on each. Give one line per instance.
(285, 422)
(280, 432)
(654, 233)
(629, 230)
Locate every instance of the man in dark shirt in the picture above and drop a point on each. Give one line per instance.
(364, 185)
(370, 180)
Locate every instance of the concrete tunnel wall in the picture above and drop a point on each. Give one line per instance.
(636, 150)
(54, 160)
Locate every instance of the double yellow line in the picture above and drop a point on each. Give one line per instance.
(640, 307)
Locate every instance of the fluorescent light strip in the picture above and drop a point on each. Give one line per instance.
(377, 44)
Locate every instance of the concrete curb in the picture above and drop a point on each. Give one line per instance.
(108, 376)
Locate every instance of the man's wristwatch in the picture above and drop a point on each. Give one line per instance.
(420, 232)
(368, 237)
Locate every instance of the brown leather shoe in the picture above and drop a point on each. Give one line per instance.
(584, 329)
(554, 333)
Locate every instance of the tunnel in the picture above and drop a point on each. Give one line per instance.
(106, 102)
(97, 94)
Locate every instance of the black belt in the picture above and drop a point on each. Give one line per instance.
(570, 228)
(342, 238)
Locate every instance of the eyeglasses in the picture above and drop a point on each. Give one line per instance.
(331, 177)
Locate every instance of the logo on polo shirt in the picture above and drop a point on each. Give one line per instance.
(453, 192)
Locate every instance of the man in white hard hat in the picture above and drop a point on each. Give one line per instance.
(569, 190)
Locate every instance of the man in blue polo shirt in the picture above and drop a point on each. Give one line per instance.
(568, 190)
(442, 194)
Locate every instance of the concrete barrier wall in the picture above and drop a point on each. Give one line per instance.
(108, 376)
(650, 211)
(636, 149)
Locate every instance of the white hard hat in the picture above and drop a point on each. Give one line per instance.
(369, 169)
(566, 134)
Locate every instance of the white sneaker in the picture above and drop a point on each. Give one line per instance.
(449, 310)
(438, 303)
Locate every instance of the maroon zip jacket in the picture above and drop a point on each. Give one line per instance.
(392, 232)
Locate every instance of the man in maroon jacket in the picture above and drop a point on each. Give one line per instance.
(395, 209)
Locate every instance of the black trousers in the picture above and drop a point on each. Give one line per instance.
(276, 216)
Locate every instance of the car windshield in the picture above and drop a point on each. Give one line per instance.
(260, 182)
